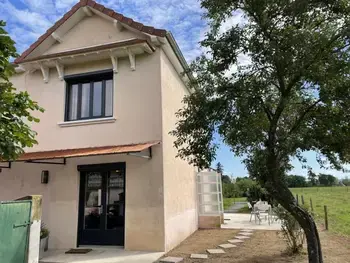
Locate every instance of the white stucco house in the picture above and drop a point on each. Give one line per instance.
(105, 163)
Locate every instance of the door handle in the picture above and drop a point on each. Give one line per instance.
(22, 225)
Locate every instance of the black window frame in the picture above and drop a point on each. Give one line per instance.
(80, 79)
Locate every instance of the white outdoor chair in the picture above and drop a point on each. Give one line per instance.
(263, 209)
(252, 212)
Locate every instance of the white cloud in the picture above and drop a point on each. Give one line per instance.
(44, 6)
(64, 5)
(237, 18)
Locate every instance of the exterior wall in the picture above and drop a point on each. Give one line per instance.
(180, 195)
(144, 214)
(91, 31)
(137, 106)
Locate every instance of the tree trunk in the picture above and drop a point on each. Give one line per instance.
(305, 220)
(280, 192)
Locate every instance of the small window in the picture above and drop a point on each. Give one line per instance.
(89, 96)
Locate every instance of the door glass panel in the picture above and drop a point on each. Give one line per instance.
(85, 100)
(97, 102)
(93, 201)
(115, 200)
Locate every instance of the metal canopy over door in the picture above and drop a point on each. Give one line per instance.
(14, 223)
(102, 204)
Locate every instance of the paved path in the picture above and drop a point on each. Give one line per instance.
(235, 207)
(242, 221)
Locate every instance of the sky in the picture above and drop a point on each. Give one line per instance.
(27, 20)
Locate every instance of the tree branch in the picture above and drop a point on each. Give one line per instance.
(266, 109)
(302, 69)
(302, 116)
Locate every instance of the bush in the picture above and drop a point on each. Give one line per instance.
(256, 193)
(291, 230)
(229, 190)
(44, 231)
(243, 185)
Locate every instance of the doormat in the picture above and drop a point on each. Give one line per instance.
(78, 251)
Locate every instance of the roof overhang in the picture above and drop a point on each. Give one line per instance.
(115, 50)
(143, 150)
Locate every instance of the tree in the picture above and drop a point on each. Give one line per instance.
(327, 179)
(312, 178)
(296, 181)
(16, 108)
(293, 95)
(219, 168)
(346, 181)
(225, 179)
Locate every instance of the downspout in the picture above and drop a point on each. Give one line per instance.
(169, 36)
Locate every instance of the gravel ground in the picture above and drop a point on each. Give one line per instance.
(263, 247)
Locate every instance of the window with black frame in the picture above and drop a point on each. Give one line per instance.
(89, 96)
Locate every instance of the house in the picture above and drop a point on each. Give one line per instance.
(105, 162)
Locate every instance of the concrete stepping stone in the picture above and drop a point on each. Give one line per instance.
(215, 251)
(200, 256)
(242, 237)
(171, 260)
(245, 234)
(235, 241)
(247, 230)
(227, 246)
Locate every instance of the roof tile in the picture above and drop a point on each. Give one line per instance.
(108, 11)
(99, 7)
(91, 3)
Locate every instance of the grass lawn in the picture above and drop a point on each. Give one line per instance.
(229, 201)
(337, 200)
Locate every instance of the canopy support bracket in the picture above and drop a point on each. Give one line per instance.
(147, 155)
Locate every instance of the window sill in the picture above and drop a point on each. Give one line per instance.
(86, 122)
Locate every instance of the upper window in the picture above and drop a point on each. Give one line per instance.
(89, 96)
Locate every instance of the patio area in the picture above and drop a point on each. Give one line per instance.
(101, 255)
(242, 221)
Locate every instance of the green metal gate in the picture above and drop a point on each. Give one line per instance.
(14, 229)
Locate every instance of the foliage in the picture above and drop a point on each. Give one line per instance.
(44, 231)
(226, 179)
(229, 190)
(337, 200)
(228, 202)
(293, 95)
(346, 181)
(256, 193)
(219, 168)
(244, 185)
(313, 179)
(291, 230)
(15, 107)
(327, 179)
(241, 178)
(296, 181)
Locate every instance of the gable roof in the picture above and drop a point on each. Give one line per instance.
(92, 4)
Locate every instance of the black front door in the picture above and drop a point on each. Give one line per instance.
(102, 205)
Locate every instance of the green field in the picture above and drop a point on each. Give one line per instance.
(229, 201)
(337, 200)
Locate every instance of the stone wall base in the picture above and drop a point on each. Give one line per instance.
(207, 222)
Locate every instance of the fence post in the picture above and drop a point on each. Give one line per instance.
(302, 199)
(297, 199)
(312, 207)
(326, 217)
